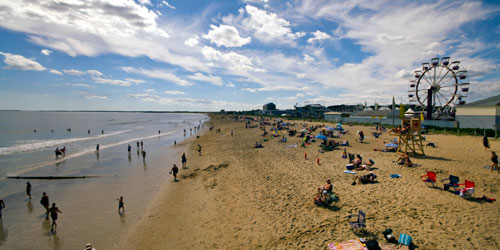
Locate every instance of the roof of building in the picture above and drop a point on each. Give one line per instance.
(332, 113)
(488, 102)
(370, 113)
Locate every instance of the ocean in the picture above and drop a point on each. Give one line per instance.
(89, 205)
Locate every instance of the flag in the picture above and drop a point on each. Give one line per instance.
(422, 116)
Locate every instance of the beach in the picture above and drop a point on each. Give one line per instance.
(235, 196)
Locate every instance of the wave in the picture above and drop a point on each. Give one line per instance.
(80, 153)
(37, 144)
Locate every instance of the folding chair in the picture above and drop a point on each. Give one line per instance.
(453, 182)
(431, 178)
(468, 190)
(360, 223)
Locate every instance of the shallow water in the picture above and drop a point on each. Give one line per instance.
(89, 206)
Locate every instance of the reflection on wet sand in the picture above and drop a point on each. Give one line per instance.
(29, 205)
(3, 233)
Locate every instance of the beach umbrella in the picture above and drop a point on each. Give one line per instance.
(321, 137)
(329, 128)
(391, 145)
(303, 130)
(284, 124)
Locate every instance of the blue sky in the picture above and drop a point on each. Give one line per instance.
(235, 55)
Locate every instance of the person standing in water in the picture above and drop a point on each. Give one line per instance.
(53, 215)
(45, 203)
(184, 160)
(129, 148)
(137, 144)
(28, 189)
(2, 206)
(102, 132)
(174, 171)
(144, 154)
(97, 148)
(120, 205)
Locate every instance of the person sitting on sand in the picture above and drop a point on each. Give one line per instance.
(328, 187)
(366, 166)
(258, 145)
(369, 178)
(494, 161)
(404, 160)
(357, 161)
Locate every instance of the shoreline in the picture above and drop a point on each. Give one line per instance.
(235, 196)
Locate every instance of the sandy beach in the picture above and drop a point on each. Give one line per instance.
(235, 196)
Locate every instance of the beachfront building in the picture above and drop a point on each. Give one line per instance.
(484, 113)
(269, 107)
(333, 116)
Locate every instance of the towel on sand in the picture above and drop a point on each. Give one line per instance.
(347, 245)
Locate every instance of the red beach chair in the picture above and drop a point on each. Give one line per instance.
(431, 178)
(468, 190)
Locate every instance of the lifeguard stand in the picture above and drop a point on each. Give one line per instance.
(411, 140)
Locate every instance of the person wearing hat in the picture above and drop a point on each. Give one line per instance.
(89, 247)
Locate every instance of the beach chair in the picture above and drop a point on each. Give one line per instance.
(404, 239)
(468, 190)
(360, 223)
(431, 178)
(453, 182)
(351, 157)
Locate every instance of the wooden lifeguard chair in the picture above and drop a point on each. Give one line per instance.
(411, 140)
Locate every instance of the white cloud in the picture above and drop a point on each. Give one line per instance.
(94, 72)
(74, 72)
(145, 2)
(226, 35)
(96, 97)
(192, 103)
(318, 36)
(168, 5)
(308, 58)
(215, 80)
(158, 74)
(277, 88)
(269, 27)
(135, 81)
(79, 85)
(117, 82)
(55, 72)
(174, 92)
(191, 42)
(92, 28)
(230, 84)
(46, 52)
(238, 63)
(150, 90)
(301, 75)
(20, 62)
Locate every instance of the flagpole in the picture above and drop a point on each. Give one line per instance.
(393, 109)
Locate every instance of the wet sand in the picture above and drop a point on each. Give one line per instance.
(235, 196)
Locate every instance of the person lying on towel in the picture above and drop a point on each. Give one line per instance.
(369, 178)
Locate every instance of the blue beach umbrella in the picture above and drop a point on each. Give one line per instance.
(321, 137)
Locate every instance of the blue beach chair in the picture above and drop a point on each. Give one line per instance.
(454, 180)
(360, 223)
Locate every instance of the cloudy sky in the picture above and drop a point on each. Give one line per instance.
(235, 55)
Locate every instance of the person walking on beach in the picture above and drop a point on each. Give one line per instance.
(2, 206)
(174, 171)
(45, 203)
(486, 143)
(53, 215)
(144, 154)
(28, 189)
(494, 161)
(184, 160)
(97, 148)
(199, 149)
(120, 205)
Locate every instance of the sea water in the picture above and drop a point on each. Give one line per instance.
(89, 205)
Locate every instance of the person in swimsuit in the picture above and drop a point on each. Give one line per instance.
(486, 143)
(369, 178)
(2, 206)
(494, 161)
(184, 160)
(45, 203)
(28, 189)
(328, 187)
(53, 214)
(120, 205)
(199, 149)
(174, 171)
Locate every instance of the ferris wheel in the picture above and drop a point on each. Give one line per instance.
(439, 87)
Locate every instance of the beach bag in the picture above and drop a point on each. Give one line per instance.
(404, 239)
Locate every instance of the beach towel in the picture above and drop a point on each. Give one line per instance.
(395, 175)
(291, 146)
(404, 239)
(347, 245)
(349, 172)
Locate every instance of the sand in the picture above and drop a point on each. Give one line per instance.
(235, 196)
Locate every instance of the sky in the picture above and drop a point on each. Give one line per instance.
(202, 55)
